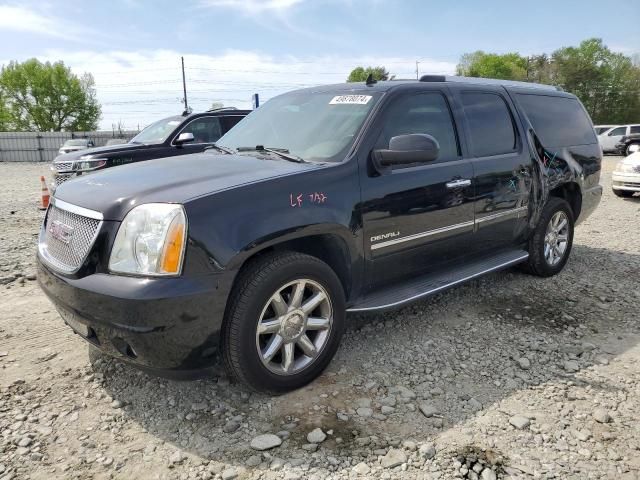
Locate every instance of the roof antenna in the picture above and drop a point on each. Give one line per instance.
(370, 80)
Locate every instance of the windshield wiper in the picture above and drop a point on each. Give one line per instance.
(281, 152)
(228, 150)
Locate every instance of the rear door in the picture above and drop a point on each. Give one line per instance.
(502, 167)
(416, 219)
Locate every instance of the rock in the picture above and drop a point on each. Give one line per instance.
(362, 468)
(231, 426)
(524, 363)
(571, 366)
(519, 421)
(474, 404)
(266, 442)
(364, 412)
(198, 406)
(253, 461)
(393, 458)
(24, 442)
(428, 409)
(176, 457)
(427, 451)
(387, 410)
(117, 404)
(488, 474)
(404, 392)
(600, 415)
(229, 474)
(316, 436)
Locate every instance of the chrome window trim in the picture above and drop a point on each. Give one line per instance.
(84, 212)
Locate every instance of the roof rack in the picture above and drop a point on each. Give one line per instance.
(221, 108)
(487, 81)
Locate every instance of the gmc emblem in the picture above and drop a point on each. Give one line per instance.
(60, 231)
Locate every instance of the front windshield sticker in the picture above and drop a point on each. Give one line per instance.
(350, 100)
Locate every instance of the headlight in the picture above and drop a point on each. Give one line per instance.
(87, 163)
(624, 167)
(150, 241)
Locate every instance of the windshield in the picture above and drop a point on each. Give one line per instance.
(75, 143)
(159, 131)
(315, 126)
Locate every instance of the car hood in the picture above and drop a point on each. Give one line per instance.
(115, 191)
(633, 159)
(100, 151)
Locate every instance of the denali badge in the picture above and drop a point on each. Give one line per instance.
(60, 231)
(384, 236)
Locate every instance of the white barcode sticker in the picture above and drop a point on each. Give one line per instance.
(350, 100)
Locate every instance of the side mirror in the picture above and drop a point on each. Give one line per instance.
(406, 150)
(183, 138)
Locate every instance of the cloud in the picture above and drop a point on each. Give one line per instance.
(253, 6)
(22, 19)
(138, 87)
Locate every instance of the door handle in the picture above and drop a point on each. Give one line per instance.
(463, 182)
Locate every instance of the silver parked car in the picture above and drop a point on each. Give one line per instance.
(75, 144)
(609, 138)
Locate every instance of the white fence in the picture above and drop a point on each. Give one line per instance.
(43, 146)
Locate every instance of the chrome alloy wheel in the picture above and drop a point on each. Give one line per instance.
(556, 239)
(294, 327)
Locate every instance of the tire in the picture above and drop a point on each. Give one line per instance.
(628, 151)
(539, 263)
(247, 354)
(623, 193)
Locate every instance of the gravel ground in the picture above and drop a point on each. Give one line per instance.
(509, 376)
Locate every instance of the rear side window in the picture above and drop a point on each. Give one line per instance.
(634, 129)
(558, 121)
(489, 122)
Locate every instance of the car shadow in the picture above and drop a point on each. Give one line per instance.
(458, 350)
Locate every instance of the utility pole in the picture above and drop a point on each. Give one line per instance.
(184, 88)
(417, 71)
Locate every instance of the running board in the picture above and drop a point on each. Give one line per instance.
(429, 284)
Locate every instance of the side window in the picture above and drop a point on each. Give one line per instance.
(490, 125)
(617, 131)
(205, 130)
(423, 113)
(634, 129)
(229, 122)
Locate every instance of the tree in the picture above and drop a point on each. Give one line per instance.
(510, 66)
(607, 83)
(48, 97)
(4, 115)
(360, 74)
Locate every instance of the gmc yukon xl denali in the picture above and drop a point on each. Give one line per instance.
(328, 200)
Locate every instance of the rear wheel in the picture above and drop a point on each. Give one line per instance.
(551, 243)
(623, 193)
(284, 322)
(632, 148)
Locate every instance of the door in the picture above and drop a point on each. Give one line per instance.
(502, 168)
(420, 217)
(608, 140)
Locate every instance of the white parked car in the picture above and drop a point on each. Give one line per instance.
(74, 145)
(600, 129)
(611, 137)
(626, 176)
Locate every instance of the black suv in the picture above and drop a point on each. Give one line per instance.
(178, 135)
(336, 199)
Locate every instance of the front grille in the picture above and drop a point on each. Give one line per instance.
(67, 256)
(60, 179)
(63, 166)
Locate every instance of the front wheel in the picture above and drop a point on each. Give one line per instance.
(551, 243)
(284, 322)
(632, 148)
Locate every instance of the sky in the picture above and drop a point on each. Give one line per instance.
(234, 48)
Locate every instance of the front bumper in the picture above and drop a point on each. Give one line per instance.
(626, 181)
(169, 326)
